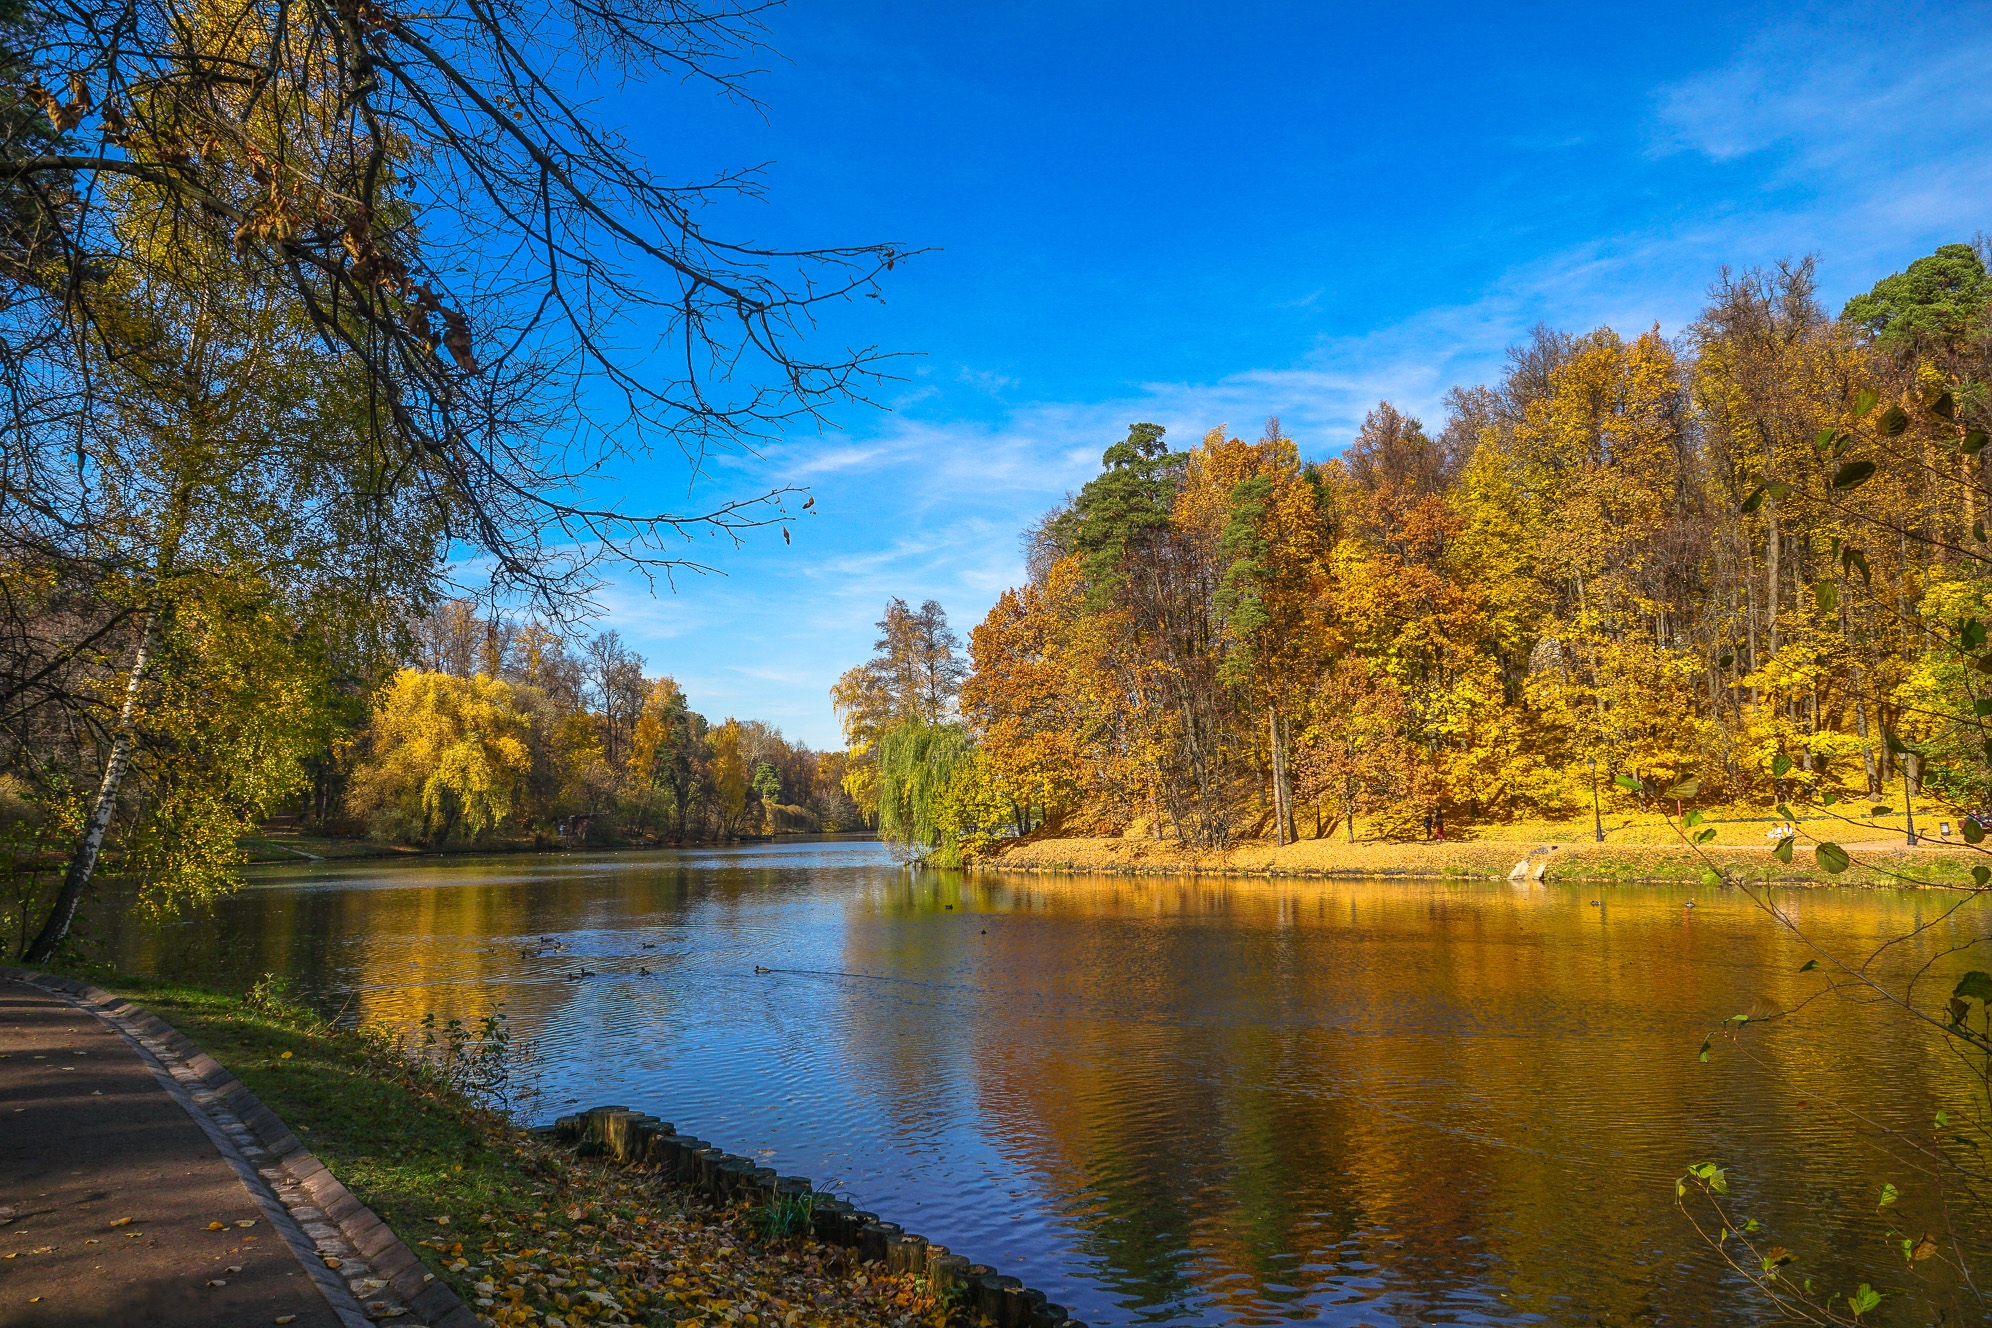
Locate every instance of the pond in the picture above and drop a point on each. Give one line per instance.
(1183, 1101)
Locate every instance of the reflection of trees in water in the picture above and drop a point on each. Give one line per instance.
(1245, 1098)
(1253, 1096)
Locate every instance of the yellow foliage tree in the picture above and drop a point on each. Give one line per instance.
(450, 757)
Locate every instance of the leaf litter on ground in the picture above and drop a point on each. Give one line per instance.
(613, 1245)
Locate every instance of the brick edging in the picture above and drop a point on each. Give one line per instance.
(324, 1211)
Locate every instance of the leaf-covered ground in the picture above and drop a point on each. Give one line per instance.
(632, 1251)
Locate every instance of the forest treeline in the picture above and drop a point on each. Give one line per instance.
(1745, 563)
(502, 732)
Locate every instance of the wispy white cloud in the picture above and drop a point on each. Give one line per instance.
(1839, 91)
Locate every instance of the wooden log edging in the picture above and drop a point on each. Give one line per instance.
(377, 1276)
(635, 1139)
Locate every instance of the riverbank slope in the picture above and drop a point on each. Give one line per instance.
(1875, 862)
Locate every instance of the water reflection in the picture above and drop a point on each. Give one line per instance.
(1214, 1101)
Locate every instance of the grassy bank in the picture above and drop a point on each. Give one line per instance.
(521, 1229)
(1877, 862)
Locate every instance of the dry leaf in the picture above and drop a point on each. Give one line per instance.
(217, 1226)
(286, 1318)
(233, 1268)
(331, 1262)
(120, 1221)
(1925, 1247)
(245, 1221)
(217, 1281)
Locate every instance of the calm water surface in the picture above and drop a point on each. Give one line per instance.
(1185, 1102)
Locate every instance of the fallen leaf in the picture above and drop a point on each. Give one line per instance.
(233, 1268)
(443, 1221)
(1924, 1249)
(120, 1221)
(217, 1226)
(286, 1318)
(34, 1300)
(331, 1262)
(133, 1235)
(217, 1281)
(245, 1221)
(286, 1056)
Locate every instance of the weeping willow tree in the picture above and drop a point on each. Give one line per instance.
(939, 797)
(916, 763)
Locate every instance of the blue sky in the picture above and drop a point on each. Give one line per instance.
(1206, 214)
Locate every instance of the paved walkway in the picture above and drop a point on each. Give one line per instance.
(90, 1138)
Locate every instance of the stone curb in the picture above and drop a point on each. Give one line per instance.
(618, 1134)
(378, 1278)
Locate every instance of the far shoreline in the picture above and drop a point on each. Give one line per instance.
(268, 851)
(1879, 865)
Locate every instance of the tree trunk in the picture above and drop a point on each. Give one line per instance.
(1282, 811)
(84, 864)
(1286, 782)
(124, 738)
(1861, 728)
(1773, 555)
(1750, 620)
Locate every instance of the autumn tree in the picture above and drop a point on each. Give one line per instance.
(1276, 537)
(451, 757)
(615, 679)
(914, 676)
(667, 748)
(218, 461)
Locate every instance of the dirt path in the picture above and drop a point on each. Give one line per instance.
(90, 1138)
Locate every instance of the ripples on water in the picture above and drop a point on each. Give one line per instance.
(1189, 1102)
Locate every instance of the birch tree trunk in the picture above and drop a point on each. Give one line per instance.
(124, 744)
(84, 864)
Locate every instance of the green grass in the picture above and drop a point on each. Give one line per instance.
(405, 1145)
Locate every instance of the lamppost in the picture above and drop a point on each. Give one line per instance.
(1597, 820)
(1908, 807)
